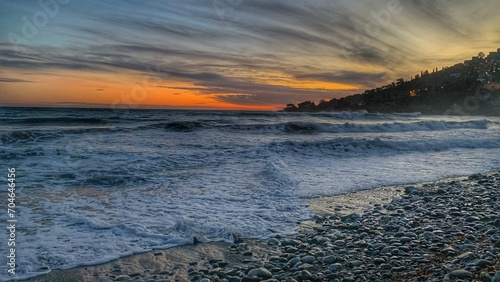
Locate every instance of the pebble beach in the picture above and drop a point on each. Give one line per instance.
(446, 230)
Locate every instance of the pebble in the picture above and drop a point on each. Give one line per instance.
(308, 259)
(496, 278)
(461, 274)
(433, 232)
(260, 272)
(329, 259)
(273, 242)
(249, 279)
(481, 263)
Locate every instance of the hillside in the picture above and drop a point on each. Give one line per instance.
(468, 88)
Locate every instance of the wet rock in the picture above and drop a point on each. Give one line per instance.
(249, 279)
(481, 263)
(329, 259)
(260, 272)
(305, 275)
(273, 242)
(449, 251)
(461, 274)
(496, 278)
(308, 259)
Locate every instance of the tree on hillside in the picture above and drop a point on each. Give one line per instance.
(307, 105)
(481, 55)
(290, 107)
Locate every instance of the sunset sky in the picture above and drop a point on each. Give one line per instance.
(228, 54)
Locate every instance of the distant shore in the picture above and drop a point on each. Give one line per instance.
(446, 230)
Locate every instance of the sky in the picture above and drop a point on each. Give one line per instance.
(228, 54)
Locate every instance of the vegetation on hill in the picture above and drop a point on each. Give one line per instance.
(467, 88)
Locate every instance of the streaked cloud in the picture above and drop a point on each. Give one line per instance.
(14, 80)
(249, 52)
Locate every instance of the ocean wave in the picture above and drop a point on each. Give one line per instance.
(366, 115)
(56, 121)
(350, 147)
(113, 180)
(307, 127)
(304, 127)
(26, 136)
(184, 126)
(298, 127)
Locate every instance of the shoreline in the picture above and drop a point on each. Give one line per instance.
(377, 234)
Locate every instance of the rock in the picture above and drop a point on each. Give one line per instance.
(260, 272)
(339, 242)
(318, 240)
(410, 234)
(428, 234)
(214, 271)
(135, 274)
(422, 210)
(496, 278)
(333, 268)
(329, 259)
(398, 269)
(350, 217)
(290, 242)
(410, 189)
(122, 278)
(249, 279)
(305, 275)
(481, 263)
(475, 176)
(438, 232)
(404, 239)
(293, 261)
(308, 259)
(472, 219)
(449, 251)
(379, 260)
(461, 274)
(354, 263)
(268, 266)
(466, 255)
(273, 242)
(491, 232)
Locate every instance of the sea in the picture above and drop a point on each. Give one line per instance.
(94, 185)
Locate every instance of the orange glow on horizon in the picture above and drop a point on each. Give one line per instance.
(124, 90)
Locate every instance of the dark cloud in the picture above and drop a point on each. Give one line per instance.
(248, 92)
(347, 77)
(14, 80)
